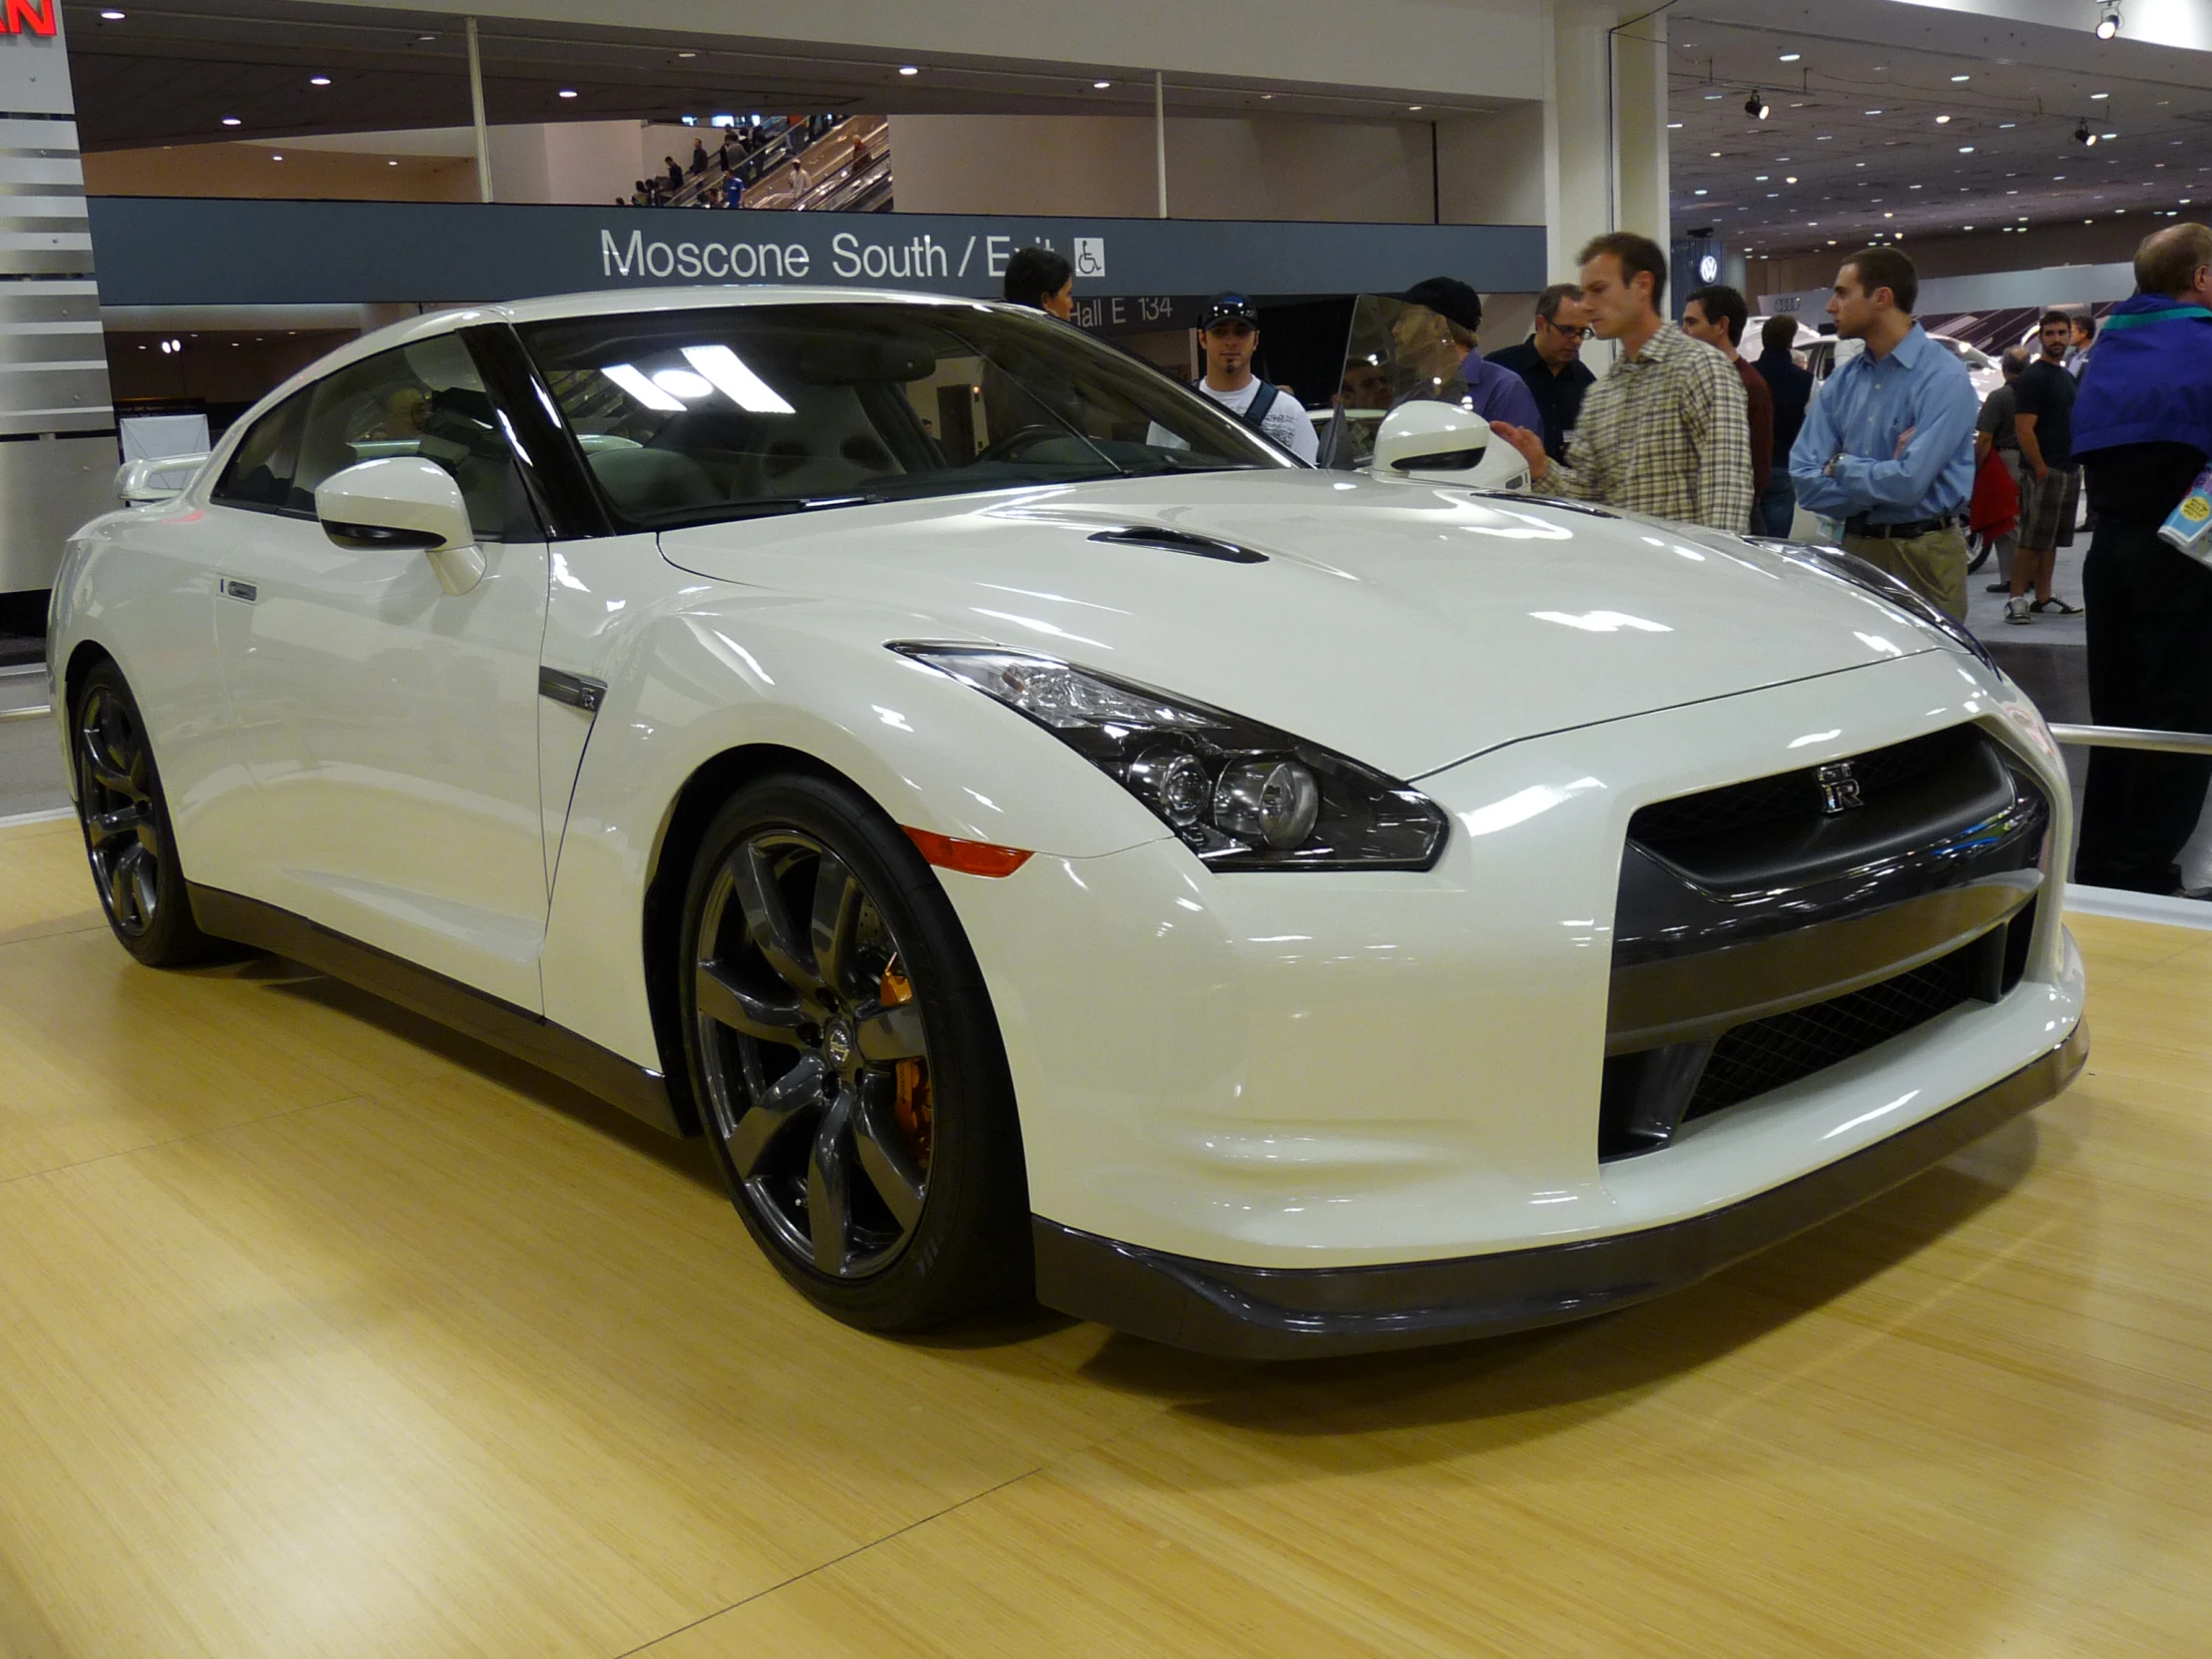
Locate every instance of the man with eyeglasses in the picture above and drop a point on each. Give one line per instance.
(1550, 364)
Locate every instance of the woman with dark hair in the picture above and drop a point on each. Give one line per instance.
(1041, 279)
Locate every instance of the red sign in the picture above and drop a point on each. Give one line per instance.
(33, 15)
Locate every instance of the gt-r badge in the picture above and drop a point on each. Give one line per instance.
(1838, 788)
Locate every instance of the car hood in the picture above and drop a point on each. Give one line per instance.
(1407, 625)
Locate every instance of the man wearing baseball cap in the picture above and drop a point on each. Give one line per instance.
(1434, 335)
(1230, 330)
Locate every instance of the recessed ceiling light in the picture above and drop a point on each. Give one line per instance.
(1100, 85)
(567, 92)
(1889, 216)
(686, 53)
(2094, 96)
(233, 121)
(1411, 108)
(1759, 178)
(1697, 193)
(275, 158)
(908, 69)
(1716, 154)
(1874, 112)
(1672, 125)
(1942, 120)
(318, 80)
(1791, 57)
(1955, 80)
(426, 37)
(392, 164)
(111, 17)
(1965, 149)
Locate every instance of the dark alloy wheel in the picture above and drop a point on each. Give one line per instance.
(127, 828)
(847, 1062)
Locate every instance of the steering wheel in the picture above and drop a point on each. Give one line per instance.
(1014, 444)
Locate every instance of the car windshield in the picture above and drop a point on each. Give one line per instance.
(689, 416)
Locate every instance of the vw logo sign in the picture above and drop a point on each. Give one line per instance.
(1709, 268)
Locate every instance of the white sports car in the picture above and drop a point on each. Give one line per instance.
(1048, 839)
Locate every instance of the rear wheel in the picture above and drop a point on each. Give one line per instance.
(126, 830)
(847, 1063)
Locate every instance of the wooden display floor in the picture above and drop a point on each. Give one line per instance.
(323, 1333)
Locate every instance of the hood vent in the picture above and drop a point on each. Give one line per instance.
(1181, 541)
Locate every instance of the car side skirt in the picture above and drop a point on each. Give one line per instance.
(638, 1090)
(1306, 1313)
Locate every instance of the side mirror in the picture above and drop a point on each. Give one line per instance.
(1448, 444)
(164, 479)
(403, 503)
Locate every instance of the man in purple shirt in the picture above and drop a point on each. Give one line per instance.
(1434, 335)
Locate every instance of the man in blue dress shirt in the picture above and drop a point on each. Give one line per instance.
(1887, 449)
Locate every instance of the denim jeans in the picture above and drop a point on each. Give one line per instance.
(1777, 506)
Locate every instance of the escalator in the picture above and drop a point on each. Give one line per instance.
(846, 170)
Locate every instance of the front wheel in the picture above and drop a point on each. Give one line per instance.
(847, 1063)
(128, 837)
(1979, 548)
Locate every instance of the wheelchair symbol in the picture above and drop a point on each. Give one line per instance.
(1090, 257)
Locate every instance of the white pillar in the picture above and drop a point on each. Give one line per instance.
(1160, 134)
(1606, 136)
(476, 106)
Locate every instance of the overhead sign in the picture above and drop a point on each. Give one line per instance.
(176, 252)
(34, 17)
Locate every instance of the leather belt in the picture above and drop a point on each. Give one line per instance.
(1901, 532)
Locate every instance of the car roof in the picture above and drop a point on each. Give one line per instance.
(603, 303)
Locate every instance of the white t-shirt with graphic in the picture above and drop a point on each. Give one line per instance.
(1284, 423)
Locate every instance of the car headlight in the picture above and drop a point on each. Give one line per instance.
(1240, 795)
(1862, 573)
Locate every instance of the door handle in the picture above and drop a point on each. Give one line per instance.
(246, 591)
(576, 690)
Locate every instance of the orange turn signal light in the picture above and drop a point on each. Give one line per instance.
(970, 857)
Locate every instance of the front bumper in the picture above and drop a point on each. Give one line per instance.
(1306, 1313)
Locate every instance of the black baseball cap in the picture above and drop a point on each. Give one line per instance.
(1230, 307)
(1449, 298)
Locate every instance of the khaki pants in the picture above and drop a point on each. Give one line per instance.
(1933, 565)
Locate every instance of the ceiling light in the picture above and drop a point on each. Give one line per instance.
(1889, 216)
(2098, 97)
(1791, 179)
(1756, 106)
(908, 69)
(1874, 112)
(2110, 24)
(1411, 108)
(2111, 134)
(2007, 126)
(1672, 125)
(1966, 149)
(233, 121)
(566, 92)
(1791, 57)
(1716, 154)
(392, 164)
(111, 17)
(686, 53)
(275, 158)
(1697, 193)
(2082, 135)
(1942, 120)
(1100, 85)
(1758, 178)
(318, 80)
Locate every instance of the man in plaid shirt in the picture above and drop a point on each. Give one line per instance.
(1666, 433)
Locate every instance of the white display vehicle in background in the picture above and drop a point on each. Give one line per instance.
(1270, 909)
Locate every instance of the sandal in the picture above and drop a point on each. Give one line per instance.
(2055, 606)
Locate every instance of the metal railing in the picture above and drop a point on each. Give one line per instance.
(2134, 737)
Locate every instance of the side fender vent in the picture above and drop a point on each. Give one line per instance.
(1182, 541)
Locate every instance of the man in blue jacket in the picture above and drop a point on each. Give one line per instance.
(2143, 432)
(1792, 388)
(1888, 447)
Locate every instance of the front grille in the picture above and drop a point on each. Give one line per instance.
(1788, 796)
(1769, 1054)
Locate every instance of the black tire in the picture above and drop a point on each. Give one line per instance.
(1979, 548)
(125, 819)
(847, 1062)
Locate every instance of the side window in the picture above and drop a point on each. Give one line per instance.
(422, 399)
(259, 473)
